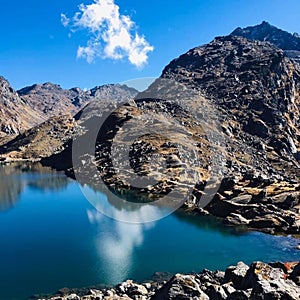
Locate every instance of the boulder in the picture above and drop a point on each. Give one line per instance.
(181, 287)
(259, 271)
(295, 275)
(132, 289)
(269, 221)
(215, 292)
(269, 283)
(236, 219)
(236, 274)
(240, 295)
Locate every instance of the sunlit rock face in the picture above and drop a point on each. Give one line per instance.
(256, 90)
(16, 114)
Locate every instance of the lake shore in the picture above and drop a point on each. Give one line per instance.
(257, 281)
(202, 280)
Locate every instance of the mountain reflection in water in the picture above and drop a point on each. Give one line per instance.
(13, 181)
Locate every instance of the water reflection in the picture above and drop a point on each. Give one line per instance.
(121, 209)
(50, 233)
(117, 246)
(14, 178)
(9, 191)
(210, 223)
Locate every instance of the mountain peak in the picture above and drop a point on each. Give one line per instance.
(265, 23)
(38, 87)
(267, 32)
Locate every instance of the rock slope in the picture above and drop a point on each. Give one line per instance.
(16, 114)
(40, 141)
(53, 123)
(255, 90)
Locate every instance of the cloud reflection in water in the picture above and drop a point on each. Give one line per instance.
(117, 245)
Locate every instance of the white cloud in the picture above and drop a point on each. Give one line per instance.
(112, 35)
(64, 20)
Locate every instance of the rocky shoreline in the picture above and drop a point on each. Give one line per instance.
(257, 281)
(274, 212)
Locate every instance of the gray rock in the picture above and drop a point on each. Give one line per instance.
(240, 295)
(269, 283)
(181, 287)
(236, 274)
(236, 219)
(259, 271)
(131, 289)
(275, 289)
(228, 288)
(244, 199)
(215, 292)
(260, 281)
(72, 297)
(295, 275)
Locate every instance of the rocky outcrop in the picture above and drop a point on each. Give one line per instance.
(257, 281)
(40, 141)
(267, 32)
(254, 90)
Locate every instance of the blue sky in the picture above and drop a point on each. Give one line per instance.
(35, 47)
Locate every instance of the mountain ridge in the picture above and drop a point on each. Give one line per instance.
(35, 104)
(267, 32)
(284, 40)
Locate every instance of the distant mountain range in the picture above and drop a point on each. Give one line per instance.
(30, 106)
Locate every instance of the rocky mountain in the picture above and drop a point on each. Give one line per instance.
(112, 92)
(16, 114)
(52, 136)
(52, 100)
(251, 165)
(280, 38)
(256, 90)
(34, 105)
(233, 104)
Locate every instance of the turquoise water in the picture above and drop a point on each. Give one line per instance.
(52, 237)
